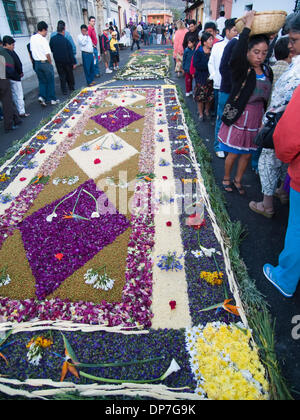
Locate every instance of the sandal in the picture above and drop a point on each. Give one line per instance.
(227, 187)
(268, 213)
(240, 189)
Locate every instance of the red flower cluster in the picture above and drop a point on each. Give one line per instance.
(183, 150)
(195, 221)
(27, 151)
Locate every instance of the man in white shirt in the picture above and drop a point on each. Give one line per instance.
(221, 22)
(41, 53)
(87, 51)
(214, 68)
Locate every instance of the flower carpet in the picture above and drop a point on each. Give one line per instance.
(110, 256)
(146, 65)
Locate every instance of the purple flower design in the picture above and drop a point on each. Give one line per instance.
(77, 239)
(116, 119)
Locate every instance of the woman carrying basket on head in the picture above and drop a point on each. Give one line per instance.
(246, 105)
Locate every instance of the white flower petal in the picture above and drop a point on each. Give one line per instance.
(174, 367)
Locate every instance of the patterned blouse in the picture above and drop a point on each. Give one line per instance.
(285, 87)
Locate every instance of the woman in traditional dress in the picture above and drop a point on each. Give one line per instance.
(246, 105)
(204, 91)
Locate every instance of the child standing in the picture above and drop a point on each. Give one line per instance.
(114, 50)
(186, 65)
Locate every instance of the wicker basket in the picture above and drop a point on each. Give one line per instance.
(265, 22)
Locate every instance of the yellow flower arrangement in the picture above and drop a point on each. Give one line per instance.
(225, 364)
(215, 278)
(189, 181)
(3, 177)
(41, 137)
(36, 347)
(40, 341)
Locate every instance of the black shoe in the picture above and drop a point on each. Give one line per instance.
(12, 128)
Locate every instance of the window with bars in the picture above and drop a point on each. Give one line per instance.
(14, 17)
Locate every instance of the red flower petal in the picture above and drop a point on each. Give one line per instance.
(97, 161)
(164, 178)
(163, 150)
(59, 256)
(172, 304)
(42, 151)
(23, 179)
(169, 224)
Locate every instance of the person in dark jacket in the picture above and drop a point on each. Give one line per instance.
(204, 92)
(10, 115)
(247, 102)
(186, 65)
(64, 58)
(192, 34)
(135, 38)
(104, 49)
(15, 76)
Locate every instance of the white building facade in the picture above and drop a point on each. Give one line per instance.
(239, 6)
(19, 19)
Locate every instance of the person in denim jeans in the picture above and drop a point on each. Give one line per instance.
(41, 53)
(86, 47)
(94, 38)
(45, 73)
(286, 275)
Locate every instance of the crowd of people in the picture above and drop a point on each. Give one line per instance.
(246, 86)
(61, 50)
(238, 82)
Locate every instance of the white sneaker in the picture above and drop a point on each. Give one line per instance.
(42, 101)
(220, 154)
(55, 102)
(108, 71)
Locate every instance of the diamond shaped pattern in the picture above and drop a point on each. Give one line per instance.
(116, 119)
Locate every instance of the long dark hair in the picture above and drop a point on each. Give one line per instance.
(257, 39)
(205, 36)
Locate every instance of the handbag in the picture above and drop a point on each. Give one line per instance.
(264, 138)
